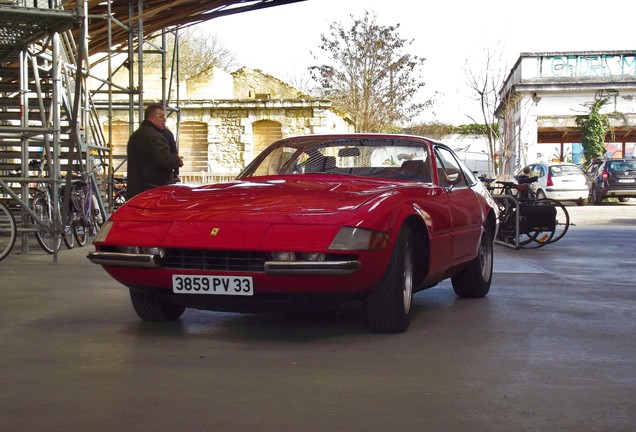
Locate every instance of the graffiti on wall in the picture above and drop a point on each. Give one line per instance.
(587, 65)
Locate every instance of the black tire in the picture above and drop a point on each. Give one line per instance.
(562, 218)
(623, 199)
(475, 280)
(48, 241)
(80, 231)
(151, 308)
(582, 202)
(535, 239)
(387, 307)
(8, 231)
(596, 198)
(69, 237)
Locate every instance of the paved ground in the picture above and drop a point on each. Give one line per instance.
(552, 348)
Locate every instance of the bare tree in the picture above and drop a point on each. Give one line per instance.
(198, 52)
(485, 84)
(368, 75)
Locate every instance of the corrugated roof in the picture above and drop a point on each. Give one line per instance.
(157, 15)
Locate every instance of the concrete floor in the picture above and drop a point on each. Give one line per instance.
(552, 348)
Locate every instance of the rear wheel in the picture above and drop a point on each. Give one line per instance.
(8, 231)
(562, 218)
(153, 308)
(387, 307)
(596, 197)
(474, 281)
(623, 199)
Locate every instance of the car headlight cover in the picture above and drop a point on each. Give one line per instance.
(313, 256)
(103, 232)
(352, 238)
(283, 256)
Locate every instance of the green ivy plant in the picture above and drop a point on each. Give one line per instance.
(594, 129)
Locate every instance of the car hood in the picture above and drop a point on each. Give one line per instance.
(280, 195)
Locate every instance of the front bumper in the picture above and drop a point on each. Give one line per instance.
(150, 261)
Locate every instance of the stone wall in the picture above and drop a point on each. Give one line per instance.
(230, 122)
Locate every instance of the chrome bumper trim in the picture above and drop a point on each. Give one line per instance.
(311, 267)
(121, 259)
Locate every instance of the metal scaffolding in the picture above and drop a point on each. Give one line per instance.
(48, 111)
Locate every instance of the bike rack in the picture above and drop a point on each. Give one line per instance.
(515, 201)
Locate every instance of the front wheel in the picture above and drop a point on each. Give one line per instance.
(80, 231)
(47, 238)
(474, 281)
(152, 308)
(387, 307)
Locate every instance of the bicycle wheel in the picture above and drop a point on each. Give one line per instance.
(80, 231)
(562, 220)
(48, 241)
(537, 224)
(69, 237)
(535, 239)
(8, 231)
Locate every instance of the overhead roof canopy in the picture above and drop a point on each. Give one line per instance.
(157, 15)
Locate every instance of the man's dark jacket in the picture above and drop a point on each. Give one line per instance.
(150, 162)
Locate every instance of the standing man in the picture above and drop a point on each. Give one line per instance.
(173, 149)
(150, 162)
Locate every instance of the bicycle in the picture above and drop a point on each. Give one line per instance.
(49, 239)
(8, 231)
(525, 220)
(86, 217)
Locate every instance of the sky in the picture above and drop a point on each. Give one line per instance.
(280, 40)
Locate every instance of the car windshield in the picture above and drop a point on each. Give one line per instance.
(627, 165)
(398, 158)
(565, 170)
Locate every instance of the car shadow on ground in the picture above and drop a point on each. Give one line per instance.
(304, 326)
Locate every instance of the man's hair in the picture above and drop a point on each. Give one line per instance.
(152, 109)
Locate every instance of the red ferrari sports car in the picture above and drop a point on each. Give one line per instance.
(318, 219)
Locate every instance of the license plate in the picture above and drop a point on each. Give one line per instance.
(219, 285)
(626, 180)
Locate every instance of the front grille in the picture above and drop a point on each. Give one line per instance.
(198, 259)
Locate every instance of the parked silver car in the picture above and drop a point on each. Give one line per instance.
(560, 181)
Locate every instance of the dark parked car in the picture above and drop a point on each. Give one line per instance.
(612, 178)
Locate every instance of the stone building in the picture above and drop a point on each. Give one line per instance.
(546, 91)
(224, 120)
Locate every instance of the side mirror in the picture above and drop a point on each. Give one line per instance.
(452, 179)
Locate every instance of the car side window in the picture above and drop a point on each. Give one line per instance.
(449, 171)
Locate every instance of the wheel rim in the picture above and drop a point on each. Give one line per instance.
(407, 288)
(485, 258)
